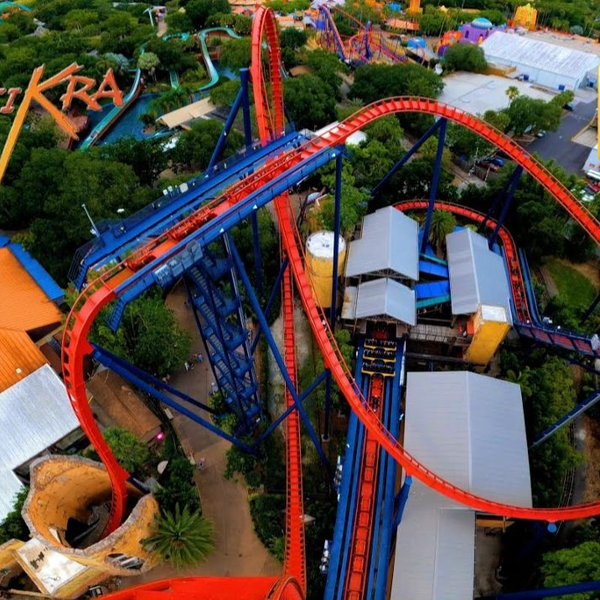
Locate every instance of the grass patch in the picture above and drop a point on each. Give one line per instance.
(573, 287)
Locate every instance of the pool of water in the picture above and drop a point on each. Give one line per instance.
(127, 125)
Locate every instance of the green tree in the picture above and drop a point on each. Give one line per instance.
(465, 57)
(499, 120)
(183, 538)
(371, 162)
(147, 159)
(149, 336)
(388, 131)
(236, 54)
(173, 53)
(179, 22)
(148, 61)
(226, 93)
(442, 224)
(13, 527)
(512, 91)
(327, 66)
(532, 114)
(310, 101)
(200, 10)
(196, 145)
(292, 38)
(177, 486)
(131, 453)
(375, 81)
(572, 565)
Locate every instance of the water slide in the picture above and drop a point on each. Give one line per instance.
(116, 112)
(216, 216)
(210, 67)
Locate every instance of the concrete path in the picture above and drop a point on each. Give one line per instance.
(238, 551)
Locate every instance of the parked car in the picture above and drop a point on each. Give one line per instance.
(541, 133)
(569, 106)
(486, 164)
(496, 160)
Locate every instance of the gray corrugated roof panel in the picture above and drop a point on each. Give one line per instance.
(389, 241)
(516, 49)
(477, 275)
(470, 430)
(34, 414)
(386, 297)
(435, 551)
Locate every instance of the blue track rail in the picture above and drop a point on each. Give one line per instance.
(121, 237)
(336, 575)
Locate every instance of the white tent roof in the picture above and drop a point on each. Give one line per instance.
(477, 275)
(34, 414)
(389, 242)
(470, 430)
(385, 297)
(435, 550)
(519, 50)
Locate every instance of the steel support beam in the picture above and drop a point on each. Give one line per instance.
(437, 169)
(403, 499)
(510, 194)
(309, 390)
(562, 590)
(122, 368)
(276, 353)
(222, 141)
(407, 156)
(276, 289)
(244, 83)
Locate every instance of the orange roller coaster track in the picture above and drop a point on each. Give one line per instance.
(101, 292)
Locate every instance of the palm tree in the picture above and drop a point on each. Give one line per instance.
(183, 538)
(512, 91)
(442, 223)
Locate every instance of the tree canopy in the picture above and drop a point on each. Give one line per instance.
(375, 81)
(310, 101)
(131, 453)
(465, 57)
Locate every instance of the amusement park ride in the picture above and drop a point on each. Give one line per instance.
(187, 235)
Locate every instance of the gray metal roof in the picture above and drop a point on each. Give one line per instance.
(388, 298)
(389, 242)
(435, 549)
(477, 275)
(519, 50)
(470, 430)
(34, 414)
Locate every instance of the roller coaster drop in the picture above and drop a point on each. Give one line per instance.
(176, 235)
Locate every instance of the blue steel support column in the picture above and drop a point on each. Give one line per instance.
(256, 243)
(591, 309)
(226, 129)
(121, 367)
(437, 168)
(512, 188)
(334, 282)
(276, 353)
(562, 590)
(244, 83)
(199, 326)
(276, 289)
(407, 156)
(403, 500)
(284, 415)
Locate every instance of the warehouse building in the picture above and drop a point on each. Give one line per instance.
(550, 65)
(470, 430)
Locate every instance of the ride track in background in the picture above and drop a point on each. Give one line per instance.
(206, 224)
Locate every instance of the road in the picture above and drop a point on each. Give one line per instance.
(558, 144)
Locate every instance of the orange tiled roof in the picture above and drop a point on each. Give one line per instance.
(23, 304)
(19, 357)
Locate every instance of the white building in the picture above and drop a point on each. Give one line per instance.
(550, 65)
(470, 430)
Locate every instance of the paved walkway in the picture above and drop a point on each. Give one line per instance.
(238, 551)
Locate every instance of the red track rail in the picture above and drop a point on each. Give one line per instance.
(295, 561)
(356, 579)
(517, 284)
